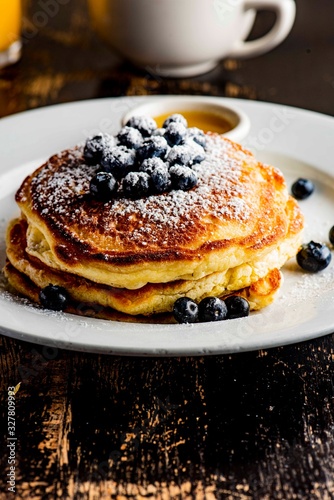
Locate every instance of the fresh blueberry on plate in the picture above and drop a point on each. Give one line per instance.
(314, 257)
(331, 235)
(302, 189)
(212, 309)
(237, 307)
(54, 297)
(185, 310)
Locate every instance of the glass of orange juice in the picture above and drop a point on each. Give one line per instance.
(10, 28)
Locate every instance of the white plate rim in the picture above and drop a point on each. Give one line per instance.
(298, 133)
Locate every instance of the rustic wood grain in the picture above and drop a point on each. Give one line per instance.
(255, 425)
(251, 425)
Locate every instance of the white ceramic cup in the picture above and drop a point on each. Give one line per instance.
(181, 38)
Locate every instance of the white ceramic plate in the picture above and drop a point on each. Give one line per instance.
(299, 142)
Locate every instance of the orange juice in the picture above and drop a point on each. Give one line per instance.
(99, 13)
(10, 22)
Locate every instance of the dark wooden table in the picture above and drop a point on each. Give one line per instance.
(255, 425)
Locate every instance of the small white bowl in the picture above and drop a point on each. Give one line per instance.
(176, 104)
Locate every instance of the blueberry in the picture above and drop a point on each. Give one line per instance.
(183, 177)
(103, 186)
(196, 151)
(154, 147)
(130, 137)
(302, 189)
(175, 133)
(159, 174)
(212, 309)
(118, 161)
(144, 124)
(136, 184)
(237, 307)
(150, 164)
(314, 257)
(159, 131)
(197, 135)
(180, 155)
(175, 118)
(185, 310)
(54, 297)
(331, 235)
(95, 146)
(160, 179)
(198, 157)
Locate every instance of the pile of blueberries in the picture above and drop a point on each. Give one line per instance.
(186, 310)
(143, 159)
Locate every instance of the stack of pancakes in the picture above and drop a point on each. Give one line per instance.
(229, 235)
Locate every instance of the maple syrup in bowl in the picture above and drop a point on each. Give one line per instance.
(206, 113)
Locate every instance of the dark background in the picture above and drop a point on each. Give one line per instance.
(65, 61)
(255, 425)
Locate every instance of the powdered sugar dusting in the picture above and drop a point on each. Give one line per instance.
(302, 286)
(219, 195)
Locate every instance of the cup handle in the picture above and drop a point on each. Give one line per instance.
(286, 13)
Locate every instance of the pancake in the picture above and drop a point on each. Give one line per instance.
(130, 259)
(258, 283)
(20, 284)
(259, 294)
(150, 299)
(239, 216)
